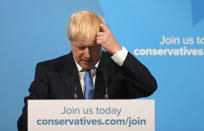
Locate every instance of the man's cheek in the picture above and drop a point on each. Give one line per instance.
(80, 57)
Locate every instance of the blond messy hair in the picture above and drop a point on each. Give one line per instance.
(83, 26)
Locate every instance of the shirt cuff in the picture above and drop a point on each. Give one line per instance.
(120, 56)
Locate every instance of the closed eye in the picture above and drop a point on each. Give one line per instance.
(81, 47)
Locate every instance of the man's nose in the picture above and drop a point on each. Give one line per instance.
(87, 53)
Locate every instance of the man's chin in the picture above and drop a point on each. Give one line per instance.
(87, 65)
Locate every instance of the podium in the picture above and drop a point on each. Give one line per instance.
(91, 115)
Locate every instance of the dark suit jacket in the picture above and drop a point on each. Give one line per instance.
(58, 79)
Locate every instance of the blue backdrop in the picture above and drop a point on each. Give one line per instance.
(35, 30)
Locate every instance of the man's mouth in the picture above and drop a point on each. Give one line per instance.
(87, 61)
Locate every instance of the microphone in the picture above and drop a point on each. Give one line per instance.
(75, 94)
(105, 77)
(75, 84)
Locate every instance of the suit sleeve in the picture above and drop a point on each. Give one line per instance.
(139, 81)
(38, 90)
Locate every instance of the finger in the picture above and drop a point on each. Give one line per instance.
(100, 33)
(99, 37)
(99, 41)
(103, 28)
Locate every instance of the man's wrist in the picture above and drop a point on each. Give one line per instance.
(120, 56)
(118, 48)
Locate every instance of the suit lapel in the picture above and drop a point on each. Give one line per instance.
(70, 76)
(99, 90)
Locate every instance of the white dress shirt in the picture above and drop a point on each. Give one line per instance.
(119, 57)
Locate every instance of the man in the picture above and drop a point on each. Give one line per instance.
(88, 72)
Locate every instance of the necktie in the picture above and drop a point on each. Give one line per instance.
(88, 85)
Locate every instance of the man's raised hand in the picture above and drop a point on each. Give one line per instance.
(106, 39)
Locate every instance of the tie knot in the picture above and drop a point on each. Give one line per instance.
(88, 73)
(85, 70)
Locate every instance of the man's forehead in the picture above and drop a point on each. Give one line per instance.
(85, 43)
